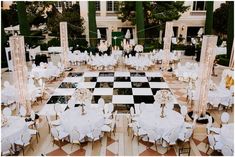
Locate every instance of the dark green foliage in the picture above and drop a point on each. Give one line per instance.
(140, 22)
(22, 17)
(53, 42)
(92, 23)
(220, 19)
(9, 16)
(155, 14)
(223, 60)
(209, 17)
(3, 44)
(230, 35)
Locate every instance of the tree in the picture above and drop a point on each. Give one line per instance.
(156, 14)
(230, 35)
(3, 44)
(22, 17)
(140, 22)
(209, 17)
(9, 16)
(220, 19)
(92, 23)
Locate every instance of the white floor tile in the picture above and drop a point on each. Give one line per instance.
(142, 91)
(153, 74)
(158, 85)
(123, 99)
(105, 79)
(64, 91)
(72, 79)
(139, 79)
(122, 74)
(122, 85)
(103, 91)
(91, 74)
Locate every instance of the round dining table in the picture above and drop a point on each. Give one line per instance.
(84, 124)
(15, 127)
(151, 120)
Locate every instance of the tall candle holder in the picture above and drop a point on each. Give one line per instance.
(163, 97)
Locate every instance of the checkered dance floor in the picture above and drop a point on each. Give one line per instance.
(123, 89)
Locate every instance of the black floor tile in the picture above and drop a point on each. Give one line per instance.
(149, 99)
(90, 79)
(68, 85)
(140, 85)
(107, 98)
(137, 74)
(104, 85)
(155, 79)
(122, 91)
(122, 79)
(107, 74)
(74, 74)
(61, 99)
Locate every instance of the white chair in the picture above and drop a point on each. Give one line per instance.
(225, 117)
(95, 136)
(52, 123)
(6, 148)
(138, 132)
(58, 135)
(214, 145)
(184, 111)
(7, 111)
(24, 141)
(34, 132)
(22, 111)
(209, 127)
(74, 137)
(226, 151)
(153, 137)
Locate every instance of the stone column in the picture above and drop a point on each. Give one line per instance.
(20, 71)
(167, 44)
(64, 43)
(205, 70)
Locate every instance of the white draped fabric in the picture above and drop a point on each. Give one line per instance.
(16, 127)
(78, 56)
(158, 56)
(9, 94)
(187, 71)
(227, 135)
(139, 62)
(150, 120)
(85, 124)
(102, 62)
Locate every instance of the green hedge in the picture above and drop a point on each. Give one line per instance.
(178, 47)
(223, 60)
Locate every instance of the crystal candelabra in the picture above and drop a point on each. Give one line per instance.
(163, 97)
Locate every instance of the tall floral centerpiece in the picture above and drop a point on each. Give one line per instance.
(139, 48)
(163, 97)
(83, 96)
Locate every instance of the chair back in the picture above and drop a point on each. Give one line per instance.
(225, 117)
(132, 113)
(188, 134)
(183, 110)
(226, 151)
(25, 138)
(5, 146)
(55, 132)
(7, 111)
(211, 140)
(209, 124)
(74, 135)
(137, 109)
(32, 115)
(101, 101)
(111, 107)
(174, 135)
(106, 108)
(96, 133)
(142, 106)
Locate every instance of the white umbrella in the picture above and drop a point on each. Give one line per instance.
(128, 34)
(98, 34)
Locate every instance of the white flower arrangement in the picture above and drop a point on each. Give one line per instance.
(212, 85)
(102, 47)
(139, 48)
(83, 95)
(163, 97)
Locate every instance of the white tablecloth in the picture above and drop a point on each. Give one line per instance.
(17, 126)
(152, 120)
(227, 135)
(85, 124)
